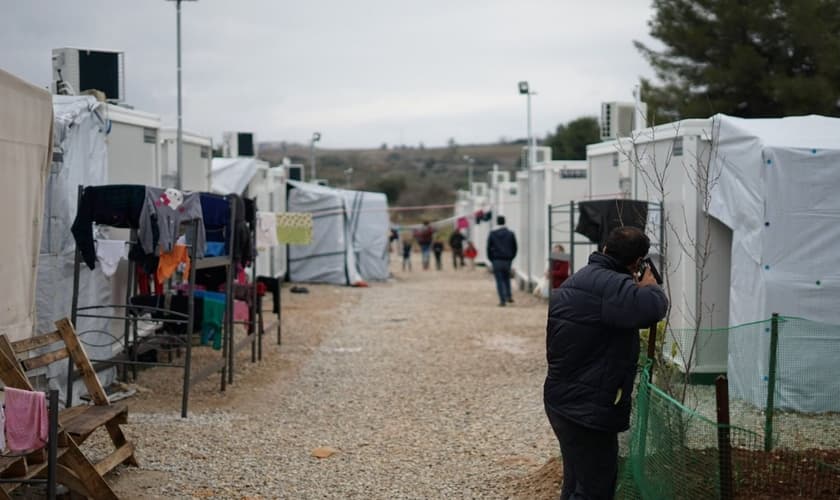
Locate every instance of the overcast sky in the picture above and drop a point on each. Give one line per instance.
(361, 72)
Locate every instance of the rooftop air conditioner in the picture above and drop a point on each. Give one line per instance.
(498, 176)
(294, 172)
(543, 155)
(236, 144)
(78, 70)
(617, 119)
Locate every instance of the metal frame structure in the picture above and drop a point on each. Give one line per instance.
(133, 342)
(254, 332)
(561, 219)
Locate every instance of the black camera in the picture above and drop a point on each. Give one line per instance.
(647, 262)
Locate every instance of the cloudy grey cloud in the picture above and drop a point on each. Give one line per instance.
(362, 72)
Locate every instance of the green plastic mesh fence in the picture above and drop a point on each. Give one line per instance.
(787, 365)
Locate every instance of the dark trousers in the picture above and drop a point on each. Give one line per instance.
(501, 271)
(457, 256)
(590, 460)
(438, 262)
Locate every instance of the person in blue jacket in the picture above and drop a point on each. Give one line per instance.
(501, 250)
(592, 348)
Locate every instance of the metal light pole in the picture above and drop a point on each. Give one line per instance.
(316, 136)
(532, 160)
(180, 139)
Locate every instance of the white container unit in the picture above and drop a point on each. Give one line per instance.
(674, 153)
(567, 181)
(198, 160)
(268, 187)
(133, 153)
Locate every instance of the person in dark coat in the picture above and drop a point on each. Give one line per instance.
(592, 347)
(501, 250)
(437, 249)
(456, 243)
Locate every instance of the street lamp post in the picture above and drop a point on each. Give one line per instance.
(316, 136)
(525, 89)
(179, 182)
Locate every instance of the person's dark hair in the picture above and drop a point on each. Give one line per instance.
(626, 244)
(500, 220)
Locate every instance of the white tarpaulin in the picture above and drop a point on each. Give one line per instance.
(369, 225)
(80, 158)
(330, 257)
(26, 119)
(232, 175)
(778, 191)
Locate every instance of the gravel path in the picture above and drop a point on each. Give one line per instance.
(422, 386)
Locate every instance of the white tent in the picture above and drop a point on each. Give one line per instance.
(80, 157)
(232, 175)
(330, 258)
(777, 191)
(369, 226)
(26, 118)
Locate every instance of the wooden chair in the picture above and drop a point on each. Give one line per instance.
(59, 461)
(79, 422)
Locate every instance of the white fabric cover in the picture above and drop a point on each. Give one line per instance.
(777, 191)
(330, 257)
(232, 175)
(81, 158)
(369, 226)
(26, 118)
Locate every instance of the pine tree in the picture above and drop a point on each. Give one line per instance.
(749, 58)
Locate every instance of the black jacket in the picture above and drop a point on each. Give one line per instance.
(592, 343)
(501, 244)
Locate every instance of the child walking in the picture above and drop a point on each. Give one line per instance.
(471, 253)
(406, 254)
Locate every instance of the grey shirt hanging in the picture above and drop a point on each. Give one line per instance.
(169, 208)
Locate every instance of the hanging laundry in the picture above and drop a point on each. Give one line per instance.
(479, 216)
(116, 205)
(266, 230)
(462, 223)
(241, 312)
(488, 215)
(598, 218)
(26, 419)
(294, 228)
(212, 317)
(109, 253)
(169, 262)
(170, 207)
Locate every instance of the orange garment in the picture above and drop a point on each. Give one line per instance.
(169, 262)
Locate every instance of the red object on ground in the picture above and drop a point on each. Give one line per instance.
(559, 272)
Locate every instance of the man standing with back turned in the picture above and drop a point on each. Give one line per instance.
(501, 250)
(592, 346)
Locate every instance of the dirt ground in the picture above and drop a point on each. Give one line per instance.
(421, 387)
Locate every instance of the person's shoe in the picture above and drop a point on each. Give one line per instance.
(501, 304)
(510, 300)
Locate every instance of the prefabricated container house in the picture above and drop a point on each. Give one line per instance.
(133, 152)
(197, 162)
(667, 159)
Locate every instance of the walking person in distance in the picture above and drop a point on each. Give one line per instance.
(501, 250)
(592, 348)
(456, 243)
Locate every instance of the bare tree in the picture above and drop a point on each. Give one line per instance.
(680, 245)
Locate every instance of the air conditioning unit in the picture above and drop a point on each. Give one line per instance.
(543, 155)
(479, 189)
(498, 177)
(236, 144)
(618, 119)
(78, 70)
(294, 172)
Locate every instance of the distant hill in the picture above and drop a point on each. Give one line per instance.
(410, 176)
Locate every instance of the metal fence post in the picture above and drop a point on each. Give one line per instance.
(723, 435)
(771, 383)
